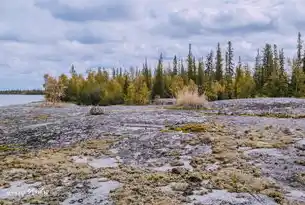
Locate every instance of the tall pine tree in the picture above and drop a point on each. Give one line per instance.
(158, 86)
(190, 63)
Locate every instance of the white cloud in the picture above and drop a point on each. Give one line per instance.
(39, 36)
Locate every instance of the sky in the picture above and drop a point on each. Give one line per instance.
(47, 36)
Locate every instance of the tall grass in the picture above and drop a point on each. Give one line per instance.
(189, 98)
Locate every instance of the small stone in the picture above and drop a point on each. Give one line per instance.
(212, 167)
(195, 178)
(204, 191)
(103, 179)
(79, 186)
(179, 170)
(179, 186)
(287, 131)
(176, 163)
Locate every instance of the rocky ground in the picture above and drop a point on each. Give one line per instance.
(245, 152)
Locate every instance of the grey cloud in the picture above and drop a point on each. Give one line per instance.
(177, 26)
(9, 37)
(244, 29)
(108, 10)
(84, 36)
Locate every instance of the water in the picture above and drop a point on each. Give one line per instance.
(19, 99)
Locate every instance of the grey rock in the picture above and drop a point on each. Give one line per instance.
(300, 144)
(97, 110)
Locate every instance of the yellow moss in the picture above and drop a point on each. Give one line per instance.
(300, 162)
(235, 180)
(275, 115)
(197, 127)
(300, 177)
(175, 107)
(276, 195)
(42, 117)
(204, 138)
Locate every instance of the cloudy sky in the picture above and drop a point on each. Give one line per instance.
(47, 36)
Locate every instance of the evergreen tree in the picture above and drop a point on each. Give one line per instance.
(267, 63)
(147, 74)
(175, 65)
(283, 87)
(200, 77)
(183, 72)
(303, 59)
(190, 63)
(258, 73)
(218, 66)
(210, 65)
(229, 72)
(238, 78)
(299, 48)
(158, 86)
(194, 77)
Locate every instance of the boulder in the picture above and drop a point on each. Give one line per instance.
(97, 110)
(300, 144)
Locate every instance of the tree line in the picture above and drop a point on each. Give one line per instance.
(216, 75)
(22, 92)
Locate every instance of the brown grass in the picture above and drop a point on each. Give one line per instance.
(191, 99)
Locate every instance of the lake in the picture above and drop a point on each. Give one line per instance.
(19, 99)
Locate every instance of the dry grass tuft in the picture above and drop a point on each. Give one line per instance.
(189, 98)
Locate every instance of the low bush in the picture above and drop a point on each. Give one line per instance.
(188, 98)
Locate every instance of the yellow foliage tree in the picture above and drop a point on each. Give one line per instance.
(137, 92)
(176, 85)
(54, 89)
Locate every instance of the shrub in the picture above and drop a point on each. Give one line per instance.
(189, 98)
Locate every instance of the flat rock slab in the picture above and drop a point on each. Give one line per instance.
(20, 189)
(219, 197)
(97, 163)
(97, 193)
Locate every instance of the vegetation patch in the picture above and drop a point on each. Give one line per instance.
(42, 117)
(300, 162)
(176, 107)
(275, 115)
(197, 127)
(300, 177)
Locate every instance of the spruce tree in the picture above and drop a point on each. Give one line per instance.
(158, 86)
(183, 72)
(218, 70)
(190, 63)
(238, 78)
(303, 59)
(267, 62)
(210, 65)
(229, 72)
(200, 77)
(147, 74)
(299, 48)
(258, 73)
(194, 76)
(218, 66)
(175, 66)
(283, 75)
(275, 58)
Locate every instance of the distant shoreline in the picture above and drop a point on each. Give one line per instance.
(19, 94)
